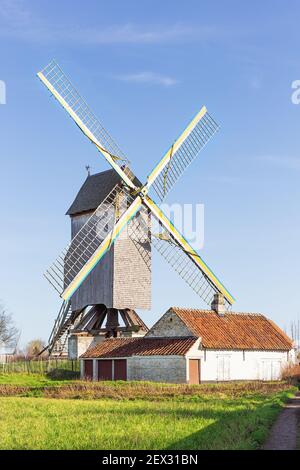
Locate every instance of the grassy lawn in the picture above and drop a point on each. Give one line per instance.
(29, 380)
(138, 415)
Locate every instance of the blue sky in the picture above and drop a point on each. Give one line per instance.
(146, 68)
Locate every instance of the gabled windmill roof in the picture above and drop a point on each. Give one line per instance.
(234, 330)
(95, 189)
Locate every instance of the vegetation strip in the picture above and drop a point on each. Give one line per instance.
(36, 385)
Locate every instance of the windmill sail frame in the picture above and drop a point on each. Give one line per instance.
(66, 94)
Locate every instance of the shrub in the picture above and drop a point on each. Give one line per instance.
(291, 374)
(63, 374)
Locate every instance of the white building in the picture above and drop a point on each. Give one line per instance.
(193, 346)
(6, 355)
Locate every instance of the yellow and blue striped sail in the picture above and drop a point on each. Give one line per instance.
(53, 77)
(181, 154)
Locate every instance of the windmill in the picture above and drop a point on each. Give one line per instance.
(127, 206)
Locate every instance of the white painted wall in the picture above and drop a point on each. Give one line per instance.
(241, 365)
(78, 345)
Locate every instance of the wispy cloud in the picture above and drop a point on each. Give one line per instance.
(288, 163)
(148, 78)
(14, 12)
(19, 22)
(133, 34)
(117, 34)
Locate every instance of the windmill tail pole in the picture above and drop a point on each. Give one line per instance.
(42, 351)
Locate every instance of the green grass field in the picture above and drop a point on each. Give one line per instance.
(138, 415)
(29, 380)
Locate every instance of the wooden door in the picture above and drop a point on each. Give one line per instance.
(105, 369)
(120, 369)
(88, 369)
(194, 371)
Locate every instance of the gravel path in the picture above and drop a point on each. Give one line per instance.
(285, 432)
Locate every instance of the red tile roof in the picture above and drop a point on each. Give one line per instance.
(234, 330)
(126, 347)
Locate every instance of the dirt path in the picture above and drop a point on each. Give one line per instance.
(285, 432)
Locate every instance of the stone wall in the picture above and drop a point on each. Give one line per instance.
(157, 368)
(169, 325)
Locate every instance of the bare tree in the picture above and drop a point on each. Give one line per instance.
(295, 331)
(34, 347)
(8, 332)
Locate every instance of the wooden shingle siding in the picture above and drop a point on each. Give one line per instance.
(131, 273)
(122, 279)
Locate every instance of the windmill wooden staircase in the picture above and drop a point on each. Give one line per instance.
(57, 343)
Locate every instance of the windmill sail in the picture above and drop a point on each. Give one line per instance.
(182, 153)
(86, 243)
(60, 86)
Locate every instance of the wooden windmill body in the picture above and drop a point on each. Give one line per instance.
(119, 284)
(122, 279)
